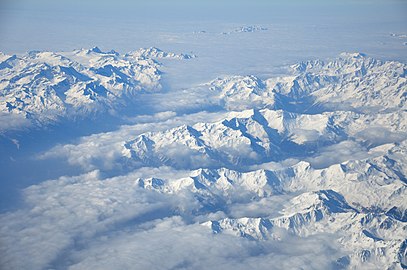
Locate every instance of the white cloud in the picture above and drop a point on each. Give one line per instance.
(85, 222)
(60, 212)
(10, 122)
(338, 153)
(174, 245)
(374, 136)
(157, 117)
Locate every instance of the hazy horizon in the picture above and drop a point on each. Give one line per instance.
(126, 25)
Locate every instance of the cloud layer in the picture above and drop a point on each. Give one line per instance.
(85, 222)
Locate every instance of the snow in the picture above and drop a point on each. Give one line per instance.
(47, 85)
(154, 52)
(262, 147)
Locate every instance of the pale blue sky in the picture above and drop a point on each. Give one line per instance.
(47, 24)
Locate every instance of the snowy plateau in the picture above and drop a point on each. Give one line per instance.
(302, 170)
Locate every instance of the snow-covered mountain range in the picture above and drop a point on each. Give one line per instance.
(351, 82)
(317, 154)
(44, 87)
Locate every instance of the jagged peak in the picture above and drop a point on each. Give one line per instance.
(306, 65)
(95, 50)
(336, 65)
(34, 53)
(328, 200)
(302, 166)
(205, 173)
(184, 129)
(152, 49)
(85, 51)
(154, 52)
(151, 182)
(245, 79)
(251, 228)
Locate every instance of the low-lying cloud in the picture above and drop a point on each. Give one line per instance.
(12, 122)
(86, 222)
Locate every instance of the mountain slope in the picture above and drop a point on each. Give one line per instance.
(353, 82)
(46, 86)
